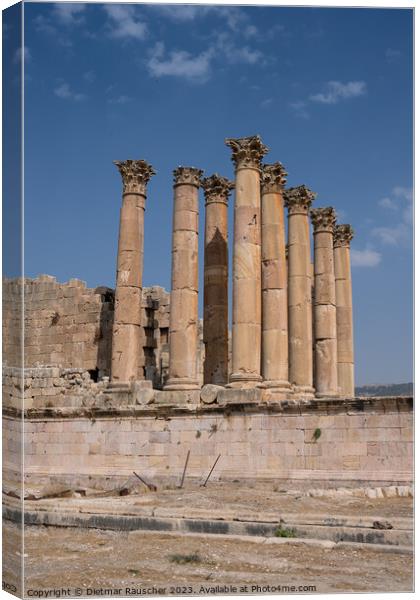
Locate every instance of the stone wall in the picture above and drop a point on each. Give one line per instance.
(343, 441)
(70, 325)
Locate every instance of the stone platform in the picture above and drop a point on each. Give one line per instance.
(104, 437)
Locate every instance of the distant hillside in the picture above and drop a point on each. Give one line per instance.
(389, 389)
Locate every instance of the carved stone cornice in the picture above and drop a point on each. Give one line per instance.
(343, 234)
(247, 152)
(323, 219)
(298, 199)
(273, 178)
(217, 188)
(187, 176)
(135, 175)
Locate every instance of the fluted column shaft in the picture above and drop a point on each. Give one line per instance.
(246, 306)
(215, 314)
(183, 321)
(323, 220)
(298, 200)
(127, 335)
(275, 367)
(343, 234)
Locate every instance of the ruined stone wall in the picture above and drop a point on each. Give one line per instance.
(360, 441)
(70, 325)
(46, 387)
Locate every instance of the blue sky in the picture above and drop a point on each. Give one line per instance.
(328, 90)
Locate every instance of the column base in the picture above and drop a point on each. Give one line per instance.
(279, 389)
(303, 391)
(181, 383)
(244, 380)
(116, 385)
(328, 395)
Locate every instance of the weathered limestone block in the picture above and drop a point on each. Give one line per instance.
(240, 396)
(215, 323)
(343, 234)
(246, 311)
(127, 361)
(298, 201)
(184, 293)
(275, 368)
(209, 392)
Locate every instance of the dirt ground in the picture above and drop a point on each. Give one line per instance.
(224, 497)
(78, 558)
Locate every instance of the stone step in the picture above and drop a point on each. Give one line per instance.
(289, 528)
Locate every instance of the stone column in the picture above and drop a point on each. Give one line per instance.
(275, 364)
(246, 310)
(323, 221)
(183, 322)
(215, 324)
(127, 335)
(343, 234)
(298, 200)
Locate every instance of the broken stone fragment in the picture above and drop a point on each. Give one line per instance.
(209, 393)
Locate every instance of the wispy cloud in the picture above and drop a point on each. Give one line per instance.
(69, 13)
(89, 76)
(233, 17)
(337, 90)
(266, 103)
(393, 55)
(300, 110)
(124, 22)
(401, 232)
(183, 13)
(65, 92)
(120, 100)
(235, 53)
(365, 258)
(334, 92)
(43, 25)
(179, 63)
(22, 52)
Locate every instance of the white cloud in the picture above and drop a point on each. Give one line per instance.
(336, 91)
(124, 23)
(387, 203)
(250, 31)
(400, 233)
(299, 108)
(43, 25)
(69, 13)
(65, 92)
(179, 63)
(232, 15)
(235, 54)
(89, 76)
(392, 55)
(266, 103)
(365, 258)
(119, 100)
(25, 52)
(183, 12)
(393, 236)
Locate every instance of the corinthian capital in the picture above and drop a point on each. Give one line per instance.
(299, 199)
(217, 188)
(343, 234)
(323, 219)
(273, 178)
(187, 176)
(247, 151)
(135, 175)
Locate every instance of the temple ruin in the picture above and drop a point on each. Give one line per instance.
(284, 310)
(114, 379)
